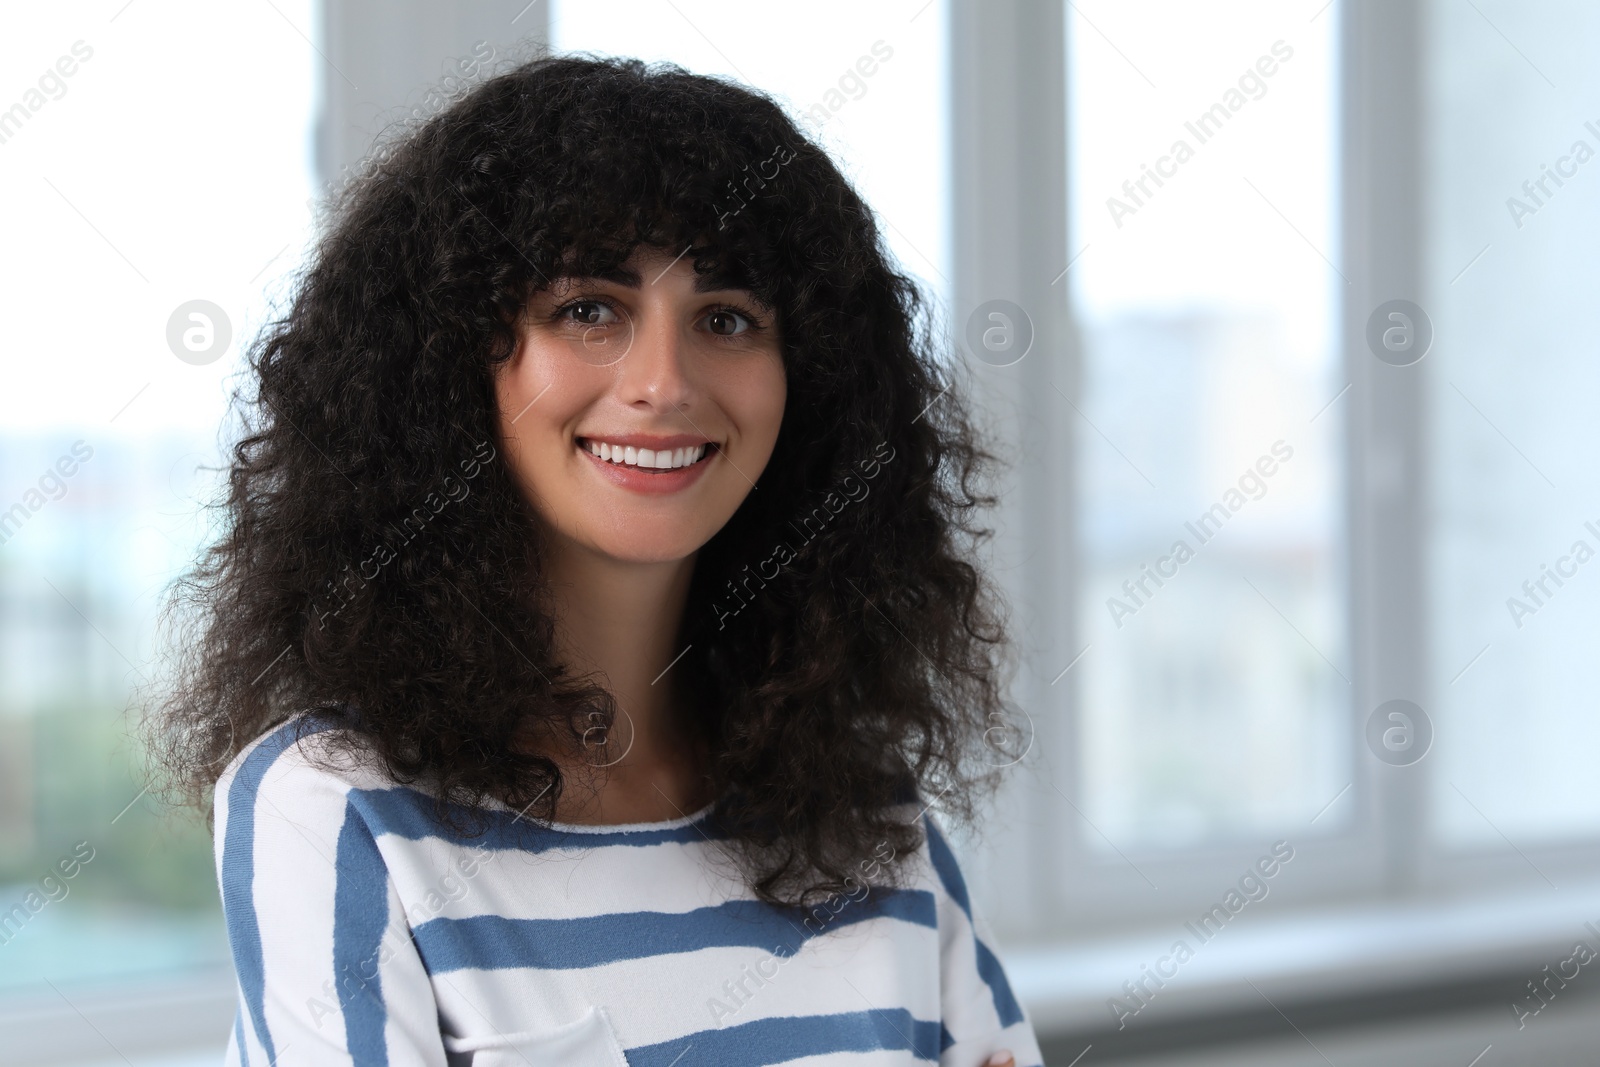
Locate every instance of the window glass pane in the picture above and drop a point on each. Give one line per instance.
(150, 162)
(1213, 686)
(1512, 198)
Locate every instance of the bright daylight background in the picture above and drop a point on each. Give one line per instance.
(1208, 716)
(1209, 329)
(175, 166)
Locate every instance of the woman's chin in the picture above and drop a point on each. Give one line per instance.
(634, 546)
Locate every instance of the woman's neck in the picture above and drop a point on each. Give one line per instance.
(620, 620)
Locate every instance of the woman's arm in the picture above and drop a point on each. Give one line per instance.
(981, 1015)
(326, 968)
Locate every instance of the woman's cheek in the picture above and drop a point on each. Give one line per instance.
(766, 396)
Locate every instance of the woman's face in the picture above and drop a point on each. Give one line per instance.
(639, 409)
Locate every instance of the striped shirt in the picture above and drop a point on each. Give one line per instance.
(365, 932)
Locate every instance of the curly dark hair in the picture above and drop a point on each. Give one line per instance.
(856, 667)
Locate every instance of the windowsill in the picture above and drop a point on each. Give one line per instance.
(157, 1015)
(1305, 956)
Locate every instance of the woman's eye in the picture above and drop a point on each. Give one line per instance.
(725, 323)
(590, 313)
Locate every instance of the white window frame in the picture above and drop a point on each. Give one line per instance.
(1046, 872)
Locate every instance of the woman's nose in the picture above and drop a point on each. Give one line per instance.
(656, 370)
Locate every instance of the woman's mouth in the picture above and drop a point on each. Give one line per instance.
(646, 459)
(675, 465)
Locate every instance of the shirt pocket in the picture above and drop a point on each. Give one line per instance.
(589, 1041)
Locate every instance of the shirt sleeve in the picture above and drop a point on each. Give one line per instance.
(327, 972)
(981, 1014)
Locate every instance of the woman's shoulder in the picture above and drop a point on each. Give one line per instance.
(306, 757)
(933, 861)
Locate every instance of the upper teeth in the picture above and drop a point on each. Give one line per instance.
(664, 459)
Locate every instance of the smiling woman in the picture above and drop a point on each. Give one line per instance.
(641, 802)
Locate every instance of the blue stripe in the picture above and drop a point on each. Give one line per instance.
(493, 942)
(239, 869)
(238, 1039)
(409, 813)
(989, 968)
(360, 916)
(791, 1037)
(994, 976)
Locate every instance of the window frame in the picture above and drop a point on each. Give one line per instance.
(1049, 876)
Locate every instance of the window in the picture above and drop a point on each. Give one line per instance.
(1280, 523)
(1214, 679)
(1510, 272)
(149, 163)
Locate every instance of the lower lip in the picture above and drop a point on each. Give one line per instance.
(643, 481)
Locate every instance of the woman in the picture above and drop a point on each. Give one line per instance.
(592, 629)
